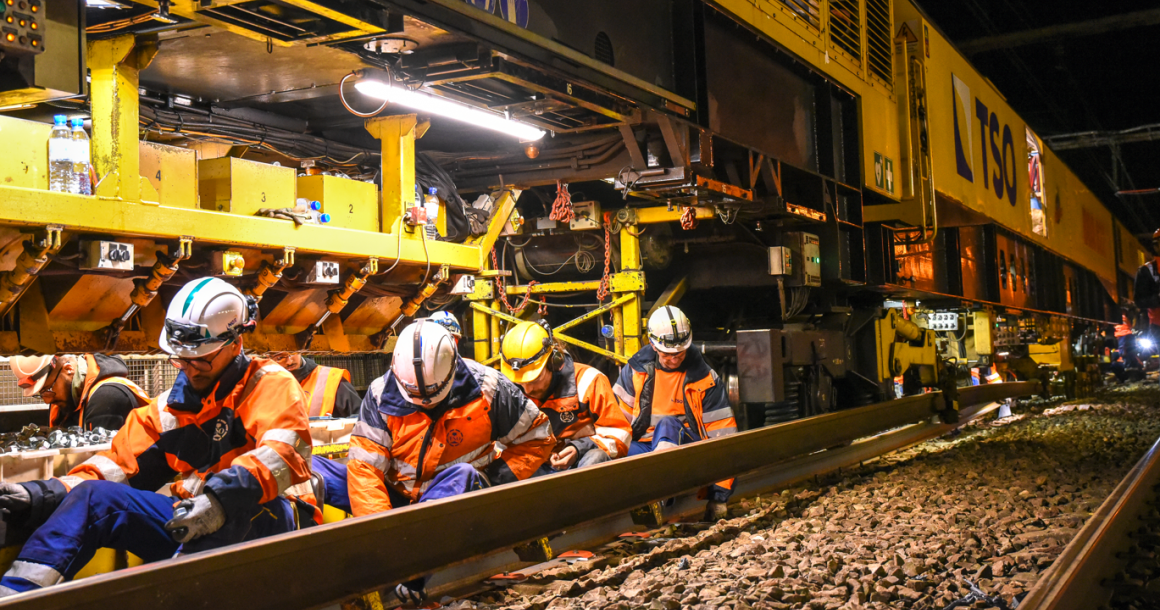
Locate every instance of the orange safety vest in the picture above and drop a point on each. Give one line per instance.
(92, 384)
(585, 407)
(321, 388)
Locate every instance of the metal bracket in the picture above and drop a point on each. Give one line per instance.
(144, 291)
(337, 300)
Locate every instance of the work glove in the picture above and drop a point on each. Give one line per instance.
(716, 511)
(14, 498)
(413, 591)
(196, 517)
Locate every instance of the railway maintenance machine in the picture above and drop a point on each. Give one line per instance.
(845, 208)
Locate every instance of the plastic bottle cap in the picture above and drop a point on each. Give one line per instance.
(314, 205)
(432, 190)
(78, 122)
(325, 218)
(59, 120)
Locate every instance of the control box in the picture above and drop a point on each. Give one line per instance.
(807, 255)
(22, 27)
(587, 216)
(943, 321)
(324, 272)
(110, 255)
(780, 261)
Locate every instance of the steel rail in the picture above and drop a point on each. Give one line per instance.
(1083, 576)
(468, 575)
(321, 565)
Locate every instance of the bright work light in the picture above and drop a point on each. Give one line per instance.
(424, 102)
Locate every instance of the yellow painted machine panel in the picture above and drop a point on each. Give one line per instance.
(25, 163)
(238, 186)
(172, 171)
(352, 204)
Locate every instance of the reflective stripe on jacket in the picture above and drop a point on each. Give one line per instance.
(248, 441)
(485, 421)
(93, 382)
(582, 405)
(321, 388)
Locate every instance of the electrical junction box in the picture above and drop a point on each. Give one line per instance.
(172, 172)
(352, 204)
(107, 255)
(780, 261)
(324, 272)
(462, 284)
(807, 253)
(42, 51)
(238, 186)
(587, 216)
(227, 262)
(943, 321)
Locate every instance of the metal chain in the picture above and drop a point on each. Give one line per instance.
(562, 208)
(500, 287)
(689, 218)
(602, 291)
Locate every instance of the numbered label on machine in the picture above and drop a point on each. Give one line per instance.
(943, 321)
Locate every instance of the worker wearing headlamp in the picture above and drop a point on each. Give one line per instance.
(232, 432)
(674, 397)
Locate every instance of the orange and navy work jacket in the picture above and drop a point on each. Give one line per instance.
(398, 444)
(248, 441)
(97, 377)
(581, 406)
(321, 388)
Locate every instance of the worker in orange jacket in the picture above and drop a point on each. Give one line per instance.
(430, 427)
(329, 392)
(90, 390)
(231, 439)
(589, 426)
(674, 397)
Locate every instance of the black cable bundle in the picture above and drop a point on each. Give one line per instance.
(428, 174)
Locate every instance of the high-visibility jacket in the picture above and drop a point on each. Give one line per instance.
(706, 406)
(582, 406)
(321, 388)
(248, 441)
(1124, 329)
(402, 445)
(1146, 291)
(101, 371)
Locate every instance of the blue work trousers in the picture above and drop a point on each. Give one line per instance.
(669, 432)
(453, 481)
(334, 476)
(102, 514)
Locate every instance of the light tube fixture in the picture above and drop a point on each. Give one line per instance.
(425, 102)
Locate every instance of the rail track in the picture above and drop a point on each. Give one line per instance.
(323, 566)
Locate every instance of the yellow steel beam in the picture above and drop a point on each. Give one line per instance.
(339, 16)
(496, 316)
(554, 287)
(592, 348)
(480, 335)
(654, 215)
(397, 136)
(503, 210)
(114, 65)
(32, 207)
(627, 324)
(672, 294)
(592, 314)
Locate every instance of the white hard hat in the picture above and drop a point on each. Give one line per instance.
(206, 314)
(447, 320)
(424, 363)
(669, 330)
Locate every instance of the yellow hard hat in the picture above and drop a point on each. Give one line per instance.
(525, 351)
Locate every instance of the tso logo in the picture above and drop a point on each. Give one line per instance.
(515, 11)
(1000, 164)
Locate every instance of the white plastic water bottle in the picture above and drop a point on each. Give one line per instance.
(314, 208)
(60, 167)
(431, 204)
(82, 158)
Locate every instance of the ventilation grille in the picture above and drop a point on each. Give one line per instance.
(604, 49)
(806, 10)
(846, 27)
(878, 44)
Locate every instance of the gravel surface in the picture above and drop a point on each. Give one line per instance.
(992, 506)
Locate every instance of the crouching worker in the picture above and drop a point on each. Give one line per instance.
(329, 393)
(89, 390)
(428, 429)
(231, 431)
(674, 396)
(588, 423)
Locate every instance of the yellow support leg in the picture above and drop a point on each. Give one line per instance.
(397, 135)
(114, 65)
(628, 328)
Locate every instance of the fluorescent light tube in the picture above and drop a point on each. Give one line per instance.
(432, 104)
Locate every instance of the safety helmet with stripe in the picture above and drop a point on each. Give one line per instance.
(424, 363)
(669, 330)
(447, 320)
(206, 314)
(525, 351)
